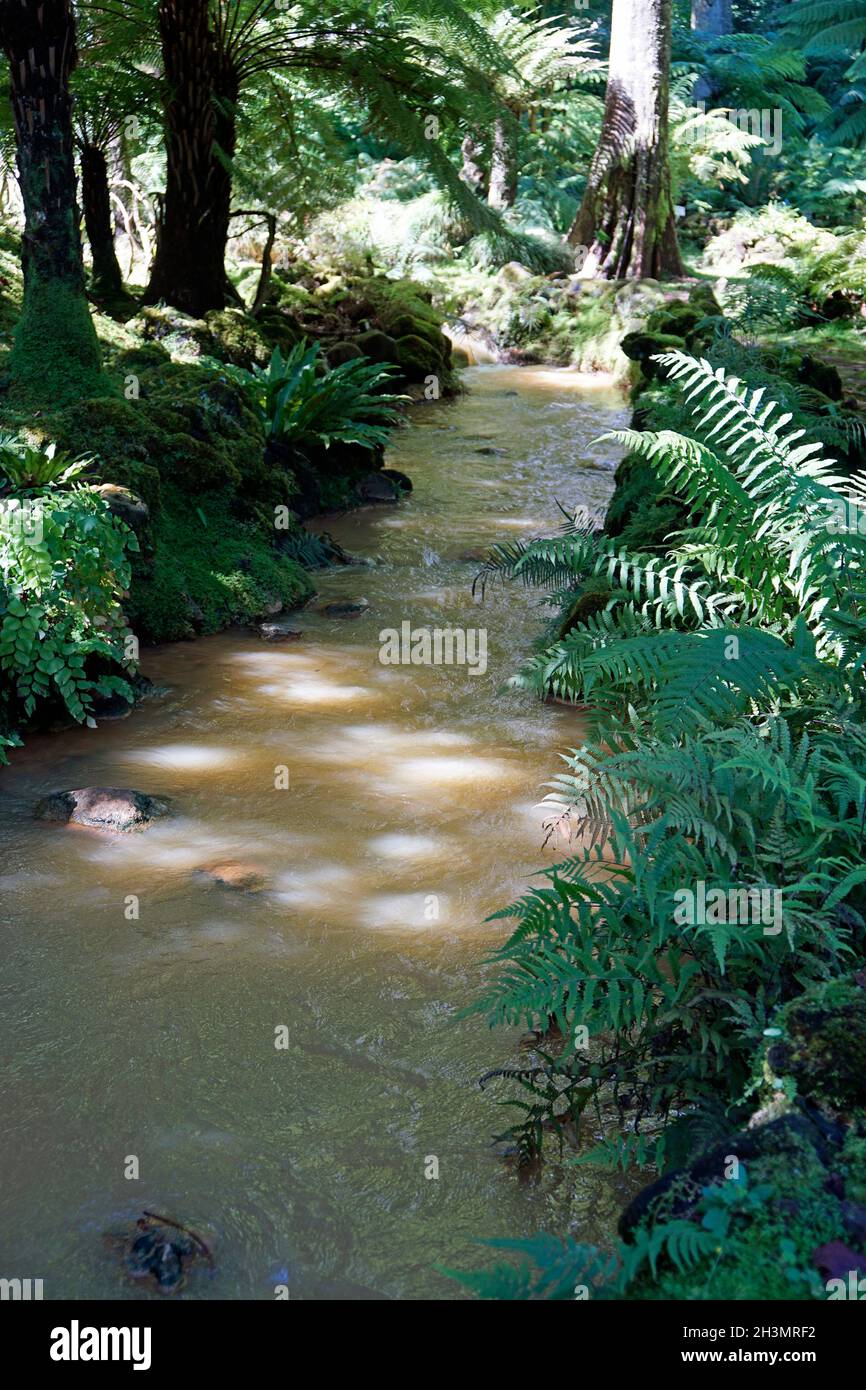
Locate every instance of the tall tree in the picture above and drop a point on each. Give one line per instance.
(56, 350)
(626, 218)
(713, 17)
(390, 62)
(189, 266)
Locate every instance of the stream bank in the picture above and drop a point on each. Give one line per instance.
(408, 819)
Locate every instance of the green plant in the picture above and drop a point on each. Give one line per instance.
(727, 749)
(63, 569)
(308, 405)
(25, 466)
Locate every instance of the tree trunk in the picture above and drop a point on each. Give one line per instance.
(189, 265)
(503, 165)
(710, 17)
(471, 172)
(107, 279)
(626, 221)
(56, 353)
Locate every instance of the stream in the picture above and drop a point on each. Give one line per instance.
(284, 1064)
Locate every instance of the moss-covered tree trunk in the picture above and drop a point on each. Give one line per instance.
(189, 265)
(56, 354)
(626, 219)
(96, 199)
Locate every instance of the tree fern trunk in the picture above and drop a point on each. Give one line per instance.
(713, 17)
(189, 265)
(96, 200)
(503, 165)
(56, 353)
(626, 219)
(471, 171)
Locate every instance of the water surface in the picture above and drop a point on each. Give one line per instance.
(411, 814)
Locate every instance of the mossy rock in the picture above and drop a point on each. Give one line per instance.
(820, 376)
(593, 599)
(642, 347)
(232, 336)
(192, 427)
(823, 1045)
(416, 358)
(703, 297)
(210, 569)
(405, 326)
(676, 318)
(279, 328)
(378, 346)
(339, 353)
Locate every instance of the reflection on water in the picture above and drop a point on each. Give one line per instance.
(141, 998)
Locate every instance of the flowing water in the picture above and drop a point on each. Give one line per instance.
(149, 1030)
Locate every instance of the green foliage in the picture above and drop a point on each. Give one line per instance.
(64, 567)
(724, 683)
(308, 405)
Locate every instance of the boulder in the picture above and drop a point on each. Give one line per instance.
(124, 504)
(401, 480)
(342, 352)
(377, 487)
(513, 273)
(118, 809)
(377, 346)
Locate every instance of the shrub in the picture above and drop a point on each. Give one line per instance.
(64, 569)
(307, 405)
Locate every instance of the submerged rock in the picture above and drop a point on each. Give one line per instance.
(119, 809)
(243, 878)
(278, 632)
(346, 608)
(161, 1250)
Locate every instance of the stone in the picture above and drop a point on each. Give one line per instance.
(343, 352)
(377, 487)
(124, 504)
(278, 632)
(119, 809)
(512, 273)
(402, 481)
(243, 878)
(346, 608)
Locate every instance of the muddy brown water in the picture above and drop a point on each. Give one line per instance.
(411, 814)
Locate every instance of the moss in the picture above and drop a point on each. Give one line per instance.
(210, 569)
(823, 1045)
(643, 347)
(192, 428)
(416, 358)
(343, 352)
(55, 358)
(592, 599)
(378, 346)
